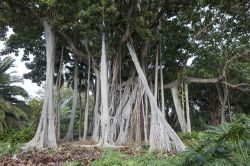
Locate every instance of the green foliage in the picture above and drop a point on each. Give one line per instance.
(117, 158)
(190, 139)
(35, 106)
(6, 148)
(8, 91)
(12, 140)
(17, 136)
(11, 112)
(226, 144)
(49, 2)
(110, 157)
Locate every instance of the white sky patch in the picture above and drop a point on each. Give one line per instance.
(190, 61)
(21, 69)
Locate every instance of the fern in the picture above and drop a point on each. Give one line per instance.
(226, 144)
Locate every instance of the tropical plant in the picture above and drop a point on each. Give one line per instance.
(226, 144)
(11, 140)
(10, 102)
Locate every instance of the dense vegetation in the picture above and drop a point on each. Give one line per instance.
(227, 144)
(126, 82)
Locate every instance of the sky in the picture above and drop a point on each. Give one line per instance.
(21, 69)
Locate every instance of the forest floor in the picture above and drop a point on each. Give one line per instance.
(68, 153)
(64, 153)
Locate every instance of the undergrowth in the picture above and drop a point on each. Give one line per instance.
(227, 144)
(118, 158)
(12, 140)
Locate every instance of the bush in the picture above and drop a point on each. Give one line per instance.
(226, 144)
(12, 140)
(190, 139)
(17, 136)
(8, 148)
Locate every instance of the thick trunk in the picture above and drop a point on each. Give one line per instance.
(144, 103)
(163, 133)
(136, 116)
(153, 118)
(123, 115)
(69, 135)
(187, 109)
(178, 108)
(95, 135)
(223, 100)
(104, 96)
(58, 97)
(46, 135)
(86, 113)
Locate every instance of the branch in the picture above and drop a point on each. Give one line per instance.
(240, 86)
(131, 10)
(70, 42)
(204, 29)
(78, 52)
(93, 63)
(203, 80)
(194, 80)
(171, 84)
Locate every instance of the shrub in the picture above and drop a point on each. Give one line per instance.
(12, 140)
(190, 139)
(17, 136)
(6, 148)
(226, 144)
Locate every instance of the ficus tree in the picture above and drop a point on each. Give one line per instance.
(132, 51)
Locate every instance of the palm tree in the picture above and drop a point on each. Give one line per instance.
(11, 104)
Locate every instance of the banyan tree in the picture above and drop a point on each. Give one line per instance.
(134, 52)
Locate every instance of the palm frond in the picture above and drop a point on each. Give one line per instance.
(6, 64)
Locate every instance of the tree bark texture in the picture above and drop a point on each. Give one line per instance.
(46, 133)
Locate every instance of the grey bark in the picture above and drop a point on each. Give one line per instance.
(86, 112)
(187, 109)
(58, 97)
(163, 131)
(80, 116)
(95, 135)
(45, 134)
(178, 108)
(69, 135)
(223, 100)
(156, 73)
(162, 93)
(104, 96)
